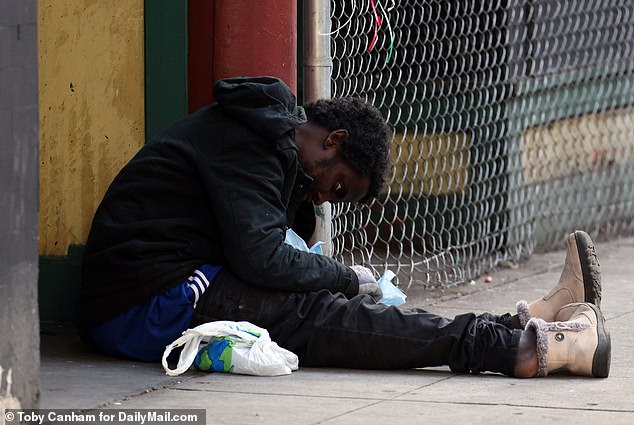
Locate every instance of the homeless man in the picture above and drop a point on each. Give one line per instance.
(192, 230)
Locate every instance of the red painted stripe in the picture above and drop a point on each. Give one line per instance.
(256, 38)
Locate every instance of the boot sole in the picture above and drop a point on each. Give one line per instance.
(603, 354)
(590, 268)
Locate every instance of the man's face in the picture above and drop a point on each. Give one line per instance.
(335, 181)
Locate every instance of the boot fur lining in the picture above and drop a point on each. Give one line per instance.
(523, 313)
(540, 327)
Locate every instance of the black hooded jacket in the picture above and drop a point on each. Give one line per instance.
(219, 187)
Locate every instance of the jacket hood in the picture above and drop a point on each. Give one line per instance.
(265, 104)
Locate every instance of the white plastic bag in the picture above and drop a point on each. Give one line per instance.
(391, 294)
(233, 347)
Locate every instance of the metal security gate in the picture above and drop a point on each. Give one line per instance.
(513, 125)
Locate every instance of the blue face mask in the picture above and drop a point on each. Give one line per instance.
(298, 243)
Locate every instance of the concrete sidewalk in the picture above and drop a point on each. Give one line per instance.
(73, 378)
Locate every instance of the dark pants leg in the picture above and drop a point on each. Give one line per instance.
(326, 329)
(507, 320)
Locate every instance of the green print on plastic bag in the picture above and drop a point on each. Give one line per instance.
(215, 356)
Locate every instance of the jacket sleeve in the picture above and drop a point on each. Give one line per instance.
(245, 186)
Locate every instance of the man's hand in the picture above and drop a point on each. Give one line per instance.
(367, 282)
(371, 289)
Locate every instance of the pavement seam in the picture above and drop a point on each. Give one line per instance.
(375, 402)
(381, 401)
(154, 388)
(287, 394)
(466, 403)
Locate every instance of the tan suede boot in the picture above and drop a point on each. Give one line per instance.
(580, 281)
(580, 345)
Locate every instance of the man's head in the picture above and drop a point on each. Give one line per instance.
(345, 148)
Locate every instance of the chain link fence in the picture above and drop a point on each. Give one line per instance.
(513, 126)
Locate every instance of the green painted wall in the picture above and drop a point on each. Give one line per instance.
(165, 64)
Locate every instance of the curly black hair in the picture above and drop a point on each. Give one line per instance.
(367, 149)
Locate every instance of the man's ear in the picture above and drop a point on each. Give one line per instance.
(335, 139)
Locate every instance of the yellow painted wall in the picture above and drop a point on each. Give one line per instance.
(577, 145)
(91, 90)
(430, 164)
(437, 164)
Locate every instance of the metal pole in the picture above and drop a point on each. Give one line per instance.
(317, 70)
